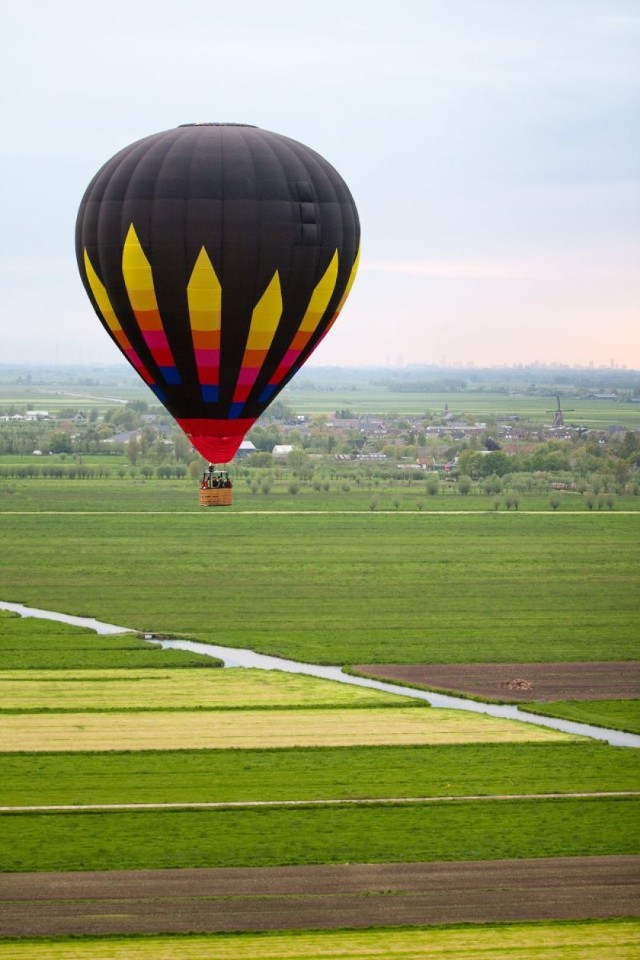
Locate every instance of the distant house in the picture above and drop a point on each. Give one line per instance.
(245, 448)
(282, 449)
(124, 437)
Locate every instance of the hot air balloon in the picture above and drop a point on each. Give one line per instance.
(217, 256)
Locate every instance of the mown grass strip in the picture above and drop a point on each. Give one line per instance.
(236, 688)
(586, 940)
(250, 729)
(299, 835)
(319, 772)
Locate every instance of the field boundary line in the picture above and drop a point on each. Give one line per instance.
(319, 513)
(248, 804)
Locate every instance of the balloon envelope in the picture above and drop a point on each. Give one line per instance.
(217, 257)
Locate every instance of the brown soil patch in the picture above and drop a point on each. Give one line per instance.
(616, 680)
(316, 897)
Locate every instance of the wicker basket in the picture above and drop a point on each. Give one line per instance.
(216, 497)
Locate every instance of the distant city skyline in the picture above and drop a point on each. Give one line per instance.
(492, 148)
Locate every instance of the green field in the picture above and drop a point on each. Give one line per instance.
(590, 940)
(616, 714)
(33, 644)
(261, 837)
(369, 399)
(205, 776)
(344, 588)
(349, 490)
(322, 587)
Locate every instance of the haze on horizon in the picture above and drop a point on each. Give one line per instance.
(491, 148)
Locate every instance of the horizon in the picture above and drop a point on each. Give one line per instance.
(123, 365)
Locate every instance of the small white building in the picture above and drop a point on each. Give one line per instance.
(245, 448)
(282, 450)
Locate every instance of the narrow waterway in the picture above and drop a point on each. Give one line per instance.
(238, 657)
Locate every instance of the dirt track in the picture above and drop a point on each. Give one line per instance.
(312, 897)
(599, 680)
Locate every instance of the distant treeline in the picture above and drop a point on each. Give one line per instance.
(163, 471)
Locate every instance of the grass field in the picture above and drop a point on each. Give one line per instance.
(270, 836)
(369, 399)
(616, 714)
(326, 773)
(344, 588)
(29, 643)
(327, 588)
(593, 940)
(349, 490)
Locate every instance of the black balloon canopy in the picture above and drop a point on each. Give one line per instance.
(217, 257)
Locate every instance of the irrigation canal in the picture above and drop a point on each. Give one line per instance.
(237, 657)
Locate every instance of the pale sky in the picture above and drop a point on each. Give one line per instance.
(492, 148)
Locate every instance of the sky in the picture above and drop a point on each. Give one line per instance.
(491, 146)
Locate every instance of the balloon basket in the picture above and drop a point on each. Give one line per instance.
(215, 489)
(220, 497)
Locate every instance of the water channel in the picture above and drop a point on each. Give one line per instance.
(237, 657)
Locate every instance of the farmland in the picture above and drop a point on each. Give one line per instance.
(270, 772)
(344, 588)
(318, 773)
(559, 941)
(253, 729)
(602, 694)
(131, 689)
(298, 835)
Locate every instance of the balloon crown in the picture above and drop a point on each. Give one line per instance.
(209, 123)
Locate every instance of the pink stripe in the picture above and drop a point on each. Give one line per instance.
(247, 376)
(207, 358)
(156, 339)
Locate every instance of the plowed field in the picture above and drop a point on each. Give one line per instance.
(314, 897)
(598, 680)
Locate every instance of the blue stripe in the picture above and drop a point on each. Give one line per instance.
(265, 396)
(235, 410)
(210, 394)
(170, 375)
